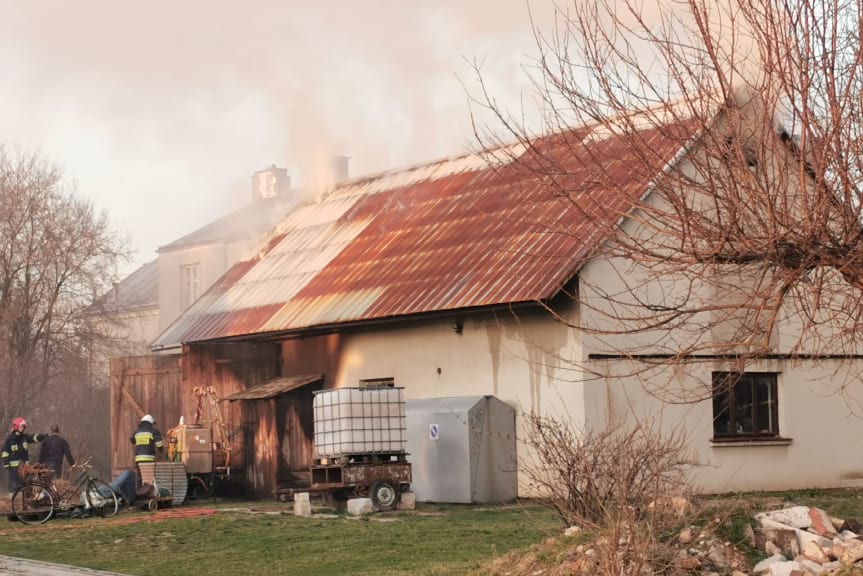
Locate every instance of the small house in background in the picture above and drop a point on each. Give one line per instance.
(463, 278)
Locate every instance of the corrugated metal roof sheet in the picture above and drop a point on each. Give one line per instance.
(275, 387)
(450, 234)
(138, 290)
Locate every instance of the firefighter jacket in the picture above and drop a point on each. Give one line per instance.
(147, 439)
(15, 450)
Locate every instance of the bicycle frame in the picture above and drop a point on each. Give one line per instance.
(38, 501)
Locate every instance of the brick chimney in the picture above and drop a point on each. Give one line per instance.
(270, 183)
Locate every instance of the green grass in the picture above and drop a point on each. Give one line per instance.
(434, 540)
(263, 538)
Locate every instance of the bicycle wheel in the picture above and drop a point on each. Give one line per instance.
(33, 503)
(101, 499)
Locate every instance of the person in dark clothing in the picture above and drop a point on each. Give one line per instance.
(15, 451)
(54, 448)
(147, 440)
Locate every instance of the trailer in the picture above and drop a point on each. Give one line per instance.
(381, 477)
(360, 439)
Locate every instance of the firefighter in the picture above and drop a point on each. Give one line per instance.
(15, 451)
(147, 440)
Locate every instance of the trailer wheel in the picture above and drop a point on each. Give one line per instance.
(384, 496)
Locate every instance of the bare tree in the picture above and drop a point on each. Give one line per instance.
(750, 243)
(56, 253)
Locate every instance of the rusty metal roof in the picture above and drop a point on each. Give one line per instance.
(275, 387)
(456, 233)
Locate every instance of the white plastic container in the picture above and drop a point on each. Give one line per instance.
(359, 421)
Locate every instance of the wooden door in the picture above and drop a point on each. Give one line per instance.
(141, 385)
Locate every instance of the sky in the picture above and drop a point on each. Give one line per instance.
(160, 111)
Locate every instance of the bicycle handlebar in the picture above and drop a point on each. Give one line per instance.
(83, 465)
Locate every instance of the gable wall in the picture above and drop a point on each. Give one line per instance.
(817, 399)
(214, 259)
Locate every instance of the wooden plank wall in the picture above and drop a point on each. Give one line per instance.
(261, 446)
(295, 428)
(141, 385)
(230, 368)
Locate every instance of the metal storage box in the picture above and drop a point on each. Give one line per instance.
(197, 449)
(462, 449)
(359, 421)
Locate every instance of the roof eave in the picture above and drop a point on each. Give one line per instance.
(337, 327)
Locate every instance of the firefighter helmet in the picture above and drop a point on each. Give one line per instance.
(147, 418)
(18, 424)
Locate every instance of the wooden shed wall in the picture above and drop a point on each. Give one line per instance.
(141, 385)
(261, 446)
(230, 368)
(295, 426)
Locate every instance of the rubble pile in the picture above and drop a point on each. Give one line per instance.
(796, 541)
(694, 551)
(804, 541)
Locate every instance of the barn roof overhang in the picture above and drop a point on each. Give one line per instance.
(380, 323)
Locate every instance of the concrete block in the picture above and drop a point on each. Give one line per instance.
(408, 501)
(796, 516)
(302, 508)
(301, 497)
(360, 506)
(764, 565)
(785, 568)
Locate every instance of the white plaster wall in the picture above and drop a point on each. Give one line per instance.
(819, 401)
(214, 259)
(526, 361)
(814, 416)
(138, 328)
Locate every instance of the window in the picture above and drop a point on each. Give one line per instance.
(378, 383)
(190, 284)
(745, 405)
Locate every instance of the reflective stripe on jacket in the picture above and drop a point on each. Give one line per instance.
(147, 440)
(15, 448)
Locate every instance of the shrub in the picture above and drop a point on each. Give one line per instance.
(630, 486)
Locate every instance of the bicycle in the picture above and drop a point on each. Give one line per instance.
(39, 499)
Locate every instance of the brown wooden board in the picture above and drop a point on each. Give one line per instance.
(141, 385)
(233, 367)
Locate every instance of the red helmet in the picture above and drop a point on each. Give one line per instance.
(18, 424)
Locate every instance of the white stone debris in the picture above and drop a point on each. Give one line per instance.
(806, 541)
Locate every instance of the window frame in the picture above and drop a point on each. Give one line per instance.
(726, 396)
(186, 296)
(371, 383)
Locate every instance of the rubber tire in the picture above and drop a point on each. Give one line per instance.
(101, 505)
(152, 505)
(23, 506)
(384, 496)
